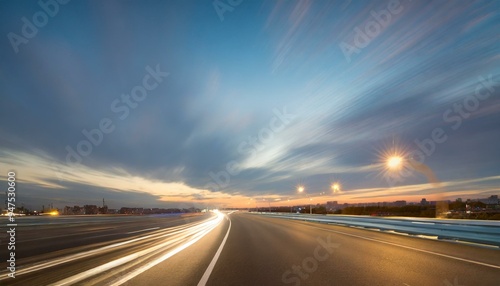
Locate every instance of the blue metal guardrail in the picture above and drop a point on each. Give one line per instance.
(483, 232)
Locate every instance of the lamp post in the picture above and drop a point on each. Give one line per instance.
(398, 163)
(269, 202)
(301, 189)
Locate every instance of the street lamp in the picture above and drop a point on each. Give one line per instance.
(398, 164)
(335, 187)
(301, 189)
(249, 201)
(394, 162)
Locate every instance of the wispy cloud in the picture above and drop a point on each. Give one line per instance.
(226, 78)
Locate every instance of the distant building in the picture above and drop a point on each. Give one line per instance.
(135, 211)
(75, 210)
(492, 200)
(103, 210)
(424, 202)
(91, 209)
(399, 203)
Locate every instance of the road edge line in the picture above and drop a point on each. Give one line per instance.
(210, 268)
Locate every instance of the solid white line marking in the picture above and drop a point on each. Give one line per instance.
(211, 266)
(143, 230)
(412, 248)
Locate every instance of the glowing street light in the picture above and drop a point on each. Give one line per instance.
(335, 187)
(397, 162)
(301, 189)
(394, 162)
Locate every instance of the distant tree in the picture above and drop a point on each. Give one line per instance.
(319, 210)
(457, 205)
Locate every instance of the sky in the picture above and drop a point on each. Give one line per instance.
(236, 103)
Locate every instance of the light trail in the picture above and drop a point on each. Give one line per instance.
(156, 242)
(69, 258)
(194, 239)
(180, 241)
(142, 230)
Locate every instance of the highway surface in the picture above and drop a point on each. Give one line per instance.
(240, 249)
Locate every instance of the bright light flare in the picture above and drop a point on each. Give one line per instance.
(394, 162)
(300, 189)
(54, 213)
(335, 187)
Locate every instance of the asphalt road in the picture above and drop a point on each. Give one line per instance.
(250, 249)
(270, 251)
(49, 249)
(37, 235)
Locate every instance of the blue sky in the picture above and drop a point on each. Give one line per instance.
(223, 82)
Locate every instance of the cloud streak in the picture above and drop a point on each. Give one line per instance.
(224, 80)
